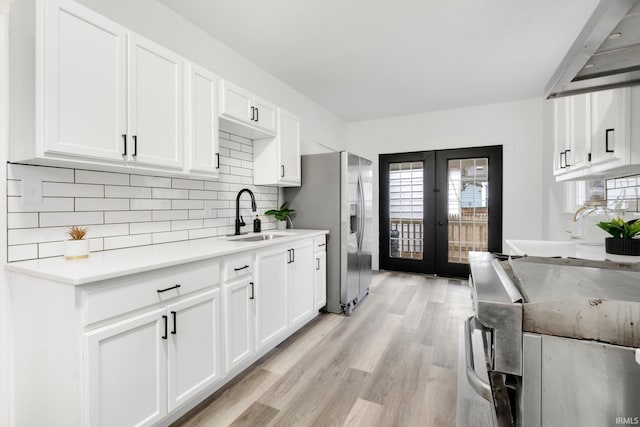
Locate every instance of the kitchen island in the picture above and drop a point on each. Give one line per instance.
(563, 249)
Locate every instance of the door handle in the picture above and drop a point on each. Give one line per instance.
(440, 223)
(174, 331)
(606, 140)
(164, 318)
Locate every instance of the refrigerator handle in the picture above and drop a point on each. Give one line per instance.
(360, 213)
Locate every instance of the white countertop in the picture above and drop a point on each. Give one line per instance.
(565, 249)
(121, 262)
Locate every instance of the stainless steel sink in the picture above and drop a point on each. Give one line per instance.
(258, 238)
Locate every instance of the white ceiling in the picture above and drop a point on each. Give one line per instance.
(367, 59)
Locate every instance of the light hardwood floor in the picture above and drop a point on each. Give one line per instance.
(392, 363)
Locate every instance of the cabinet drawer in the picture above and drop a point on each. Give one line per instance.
(141, 290)
(319, 243)
(238, 266)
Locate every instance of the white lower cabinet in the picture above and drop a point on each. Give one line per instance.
(238, 300)
(320, 272)
(271, 295)
(300, 283)
(140, 369)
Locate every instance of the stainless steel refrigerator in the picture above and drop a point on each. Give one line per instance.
(337, 195)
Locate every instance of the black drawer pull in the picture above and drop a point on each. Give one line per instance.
(240, 268)
(168, 289)
(174, 331)
(164, 337)
(322, 244)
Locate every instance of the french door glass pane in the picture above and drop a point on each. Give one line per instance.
(406, 210)
(467, 197)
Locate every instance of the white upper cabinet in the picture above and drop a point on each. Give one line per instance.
(240, 106)
(201, 121)
(277, 160)
(155, 104)
(572, 133)
(85, 83)
(610, 126)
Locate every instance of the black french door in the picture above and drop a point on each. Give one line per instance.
(437, 206)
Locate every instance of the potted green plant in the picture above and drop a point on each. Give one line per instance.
(76, 247)
(281, 215)
(623, 241)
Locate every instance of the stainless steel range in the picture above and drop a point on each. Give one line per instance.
(561, 339)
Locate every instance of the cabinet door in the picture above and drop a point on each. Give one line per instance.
(300, 283)
(560, 134)
(126, 372)
(85, 83)
(320, 280)
(577, 156)
(195, 351)
(155, 104)
(610, 126)
(266, 115)
(236, 103)
(201, 121)
(289, 148)
(271, 295)
(238, 322)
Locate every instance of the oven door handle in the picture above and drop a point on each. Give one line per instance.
(478, 384)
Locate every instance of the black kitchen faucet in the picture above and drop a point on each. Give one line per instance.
(239, 220)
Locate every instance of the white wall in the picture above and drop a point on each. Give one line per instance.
(155, 21)
(4, 341)
(517, 126)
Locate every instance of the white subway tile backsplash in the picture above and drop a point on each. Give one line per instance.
(149, 227)
(112, 217)
(22, 252)
(22, 220)
(150, 181)
(127, 241)
(14, 188)
(172, 236)
(186, 224)
(203, 195)
(118, 191)
(169, 215)
(166, 193)
(150, 204)
(42, 173)
(187, 204)
(624, 193)
(56, 219)
(88, 204)
(107, 178)
(49, 204)
(187, 184)
(125, 210)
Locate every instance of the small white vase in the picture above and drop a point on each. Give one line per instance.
(281, 225)
(76, 249)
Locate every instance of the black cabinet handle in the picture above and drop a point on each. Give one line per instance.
(168, 289)
(282, 171)
(124, 138)
(257, 114)
(240, 268)
(288, 256)
(565, 158)
(253, 296)
(317, 263)
(293, 255)
(174, 331)
(135, 145)
(164, 337)
(322, 244)
(606, 140)
(562, 165)
(253, 113)
(217, 160)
